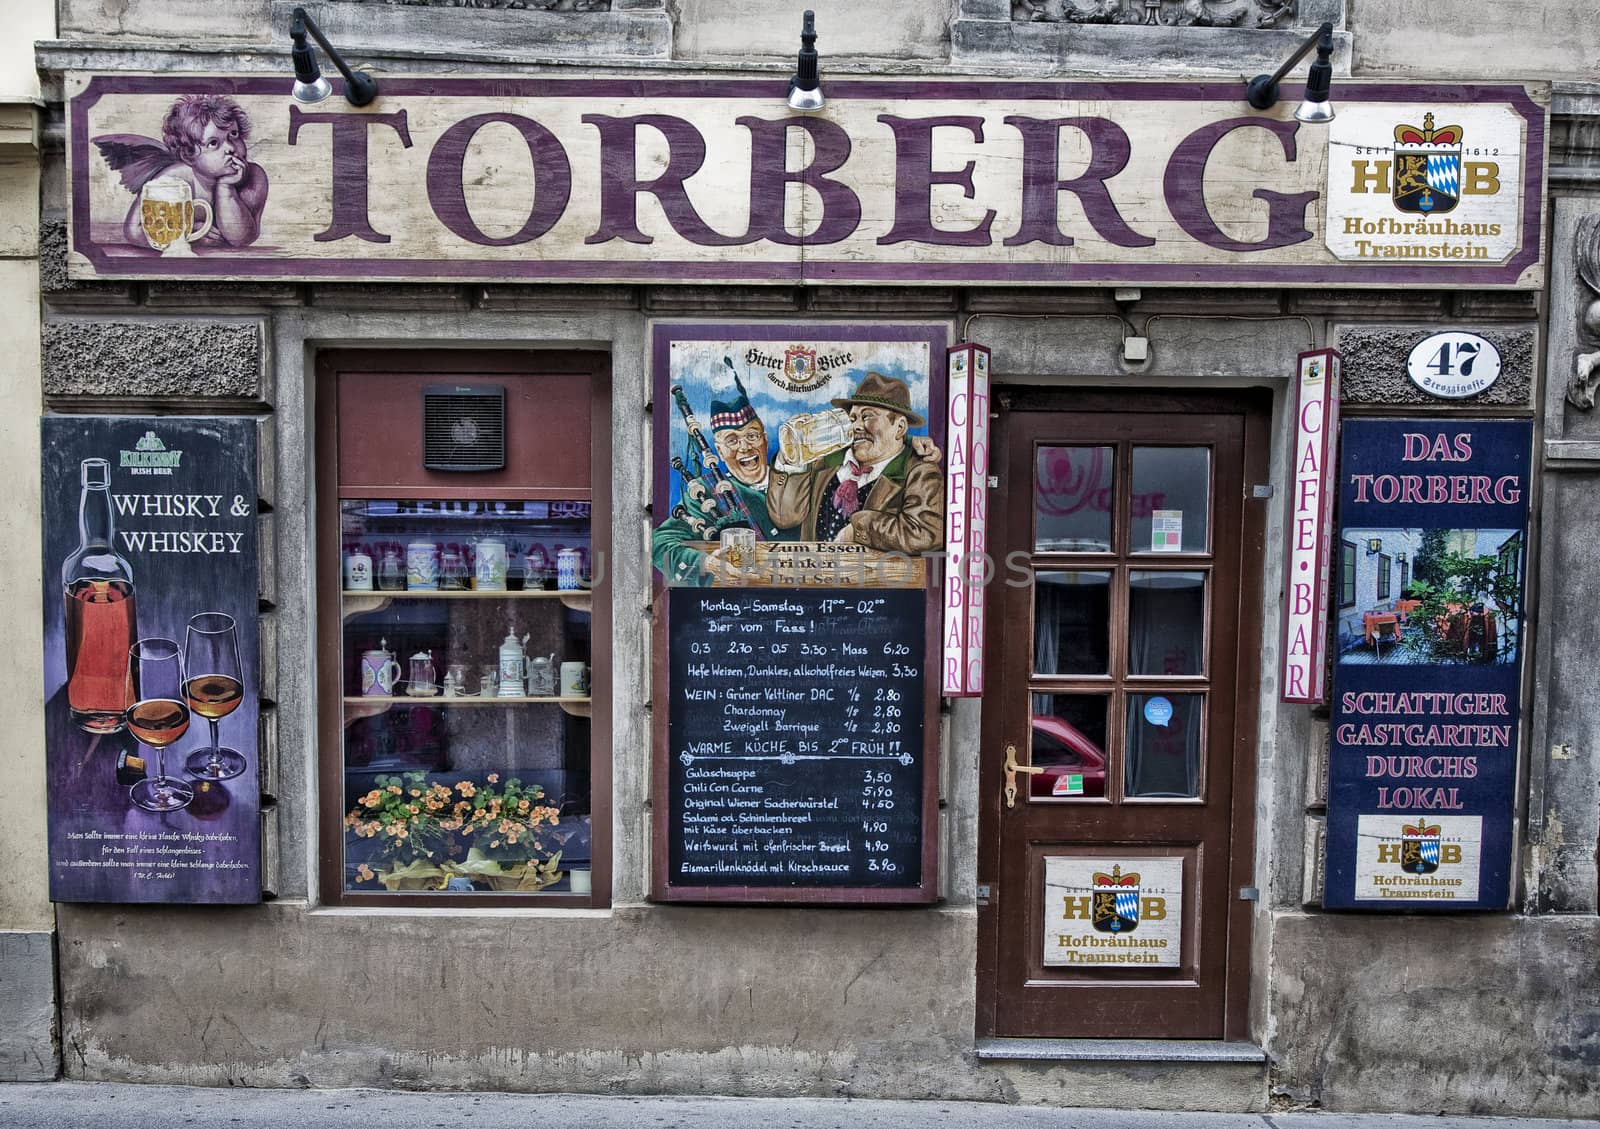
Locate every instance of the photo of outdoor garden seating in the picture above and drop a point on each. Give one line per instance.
(1435, 596)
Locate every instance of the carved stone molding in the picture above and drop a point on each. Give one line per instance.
(1156, 13)
(1586, 370)
(514, 5)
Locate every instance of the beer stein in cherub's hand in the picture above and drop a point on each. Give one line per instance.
(166, 210)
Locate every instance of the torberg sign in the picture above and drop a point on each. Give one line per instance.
(716, 180)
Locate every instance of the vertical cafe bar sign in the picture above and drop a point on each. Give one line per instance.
(1426, 690)
(151, 659)
(966, 521)
(1305, 613)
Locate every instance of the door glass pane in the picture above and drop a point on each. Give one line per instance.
(1072, 622)
(1166, 623)
(1171, 492)
(1069, 742)
(1165, 740)
(1072, 499)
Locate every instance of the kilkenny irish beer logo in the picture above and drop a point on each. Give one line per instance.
(1419, 848)
(1116, 901)
(1427, 167)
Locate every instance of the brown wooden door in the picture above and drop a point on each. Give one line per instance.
(1123, 655)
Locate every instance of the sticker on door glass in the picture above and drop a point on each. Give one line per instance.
(1068, 784)
(1158, 712)
(1166, 531)
(1113, 911)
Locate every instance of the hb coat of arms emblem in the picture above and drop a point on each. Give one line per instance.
(1427, 167)
(1419, 848)
(1115, 902)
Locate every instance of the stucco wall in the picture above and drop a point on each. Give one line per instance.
(1531, 39)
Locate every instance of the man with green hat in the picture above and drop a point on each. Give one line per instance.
(741, 442)
(877, 492)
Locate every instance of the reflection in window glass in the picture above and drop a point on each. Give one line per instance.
(1069, 741)
(1171, 499)
(1165, 739)
(1072, 498)
(1072, 623)
(1166, 623)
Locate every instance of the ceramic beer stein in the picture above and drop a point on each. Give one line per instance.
(569, 570)
(489, 573)
(166, 212)
(358, 572)
(379, 672)
(422, 566)
(574, 680)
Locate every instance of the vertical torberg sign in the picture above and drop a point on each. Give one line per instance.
(910, 181)
(151, 659)
(1426, 690)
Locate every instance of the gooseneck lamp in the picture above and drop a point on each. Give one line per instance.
(309, 85)
(1262, 91)
(805, 88)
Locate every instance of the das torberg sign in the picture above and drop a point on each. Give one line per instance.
(716, 180)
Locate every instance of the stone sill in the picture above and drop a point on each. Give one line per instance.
(1118, 1050)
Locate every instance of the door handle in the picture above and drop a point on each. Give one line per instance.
(1012, 768)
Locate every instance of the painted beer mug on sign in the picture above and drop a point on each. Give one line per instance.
(166, 209)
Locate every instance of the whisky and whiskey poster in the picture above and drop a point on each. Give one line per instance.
(151, 664)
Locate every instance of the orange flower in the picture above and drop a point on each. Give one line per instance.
(373, 798)
(364, 873)
(393, 789)
(467, 788)
(415, 792)
(494, 778)
(522, 805)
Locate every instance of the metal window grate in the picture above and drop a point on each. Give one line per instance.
(464, 427)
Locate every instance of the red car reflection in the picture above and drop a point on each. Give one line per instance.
(1061, 749)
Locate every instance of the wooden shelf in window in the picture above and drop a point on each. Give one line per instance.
(370, 706)
(578, 599)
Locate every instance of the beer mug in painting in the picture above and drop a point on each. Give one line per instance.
(809, 436)
(166, 209)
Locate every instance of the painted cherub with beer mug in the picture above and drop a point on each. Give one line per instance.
(201, 163)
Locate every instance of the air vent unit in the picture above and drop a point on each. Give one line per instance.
(464, 427)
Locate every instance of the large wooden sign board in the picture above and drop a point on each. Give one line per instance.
(905, 181)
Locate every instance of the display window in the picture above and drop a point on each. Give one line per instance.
(460, 755)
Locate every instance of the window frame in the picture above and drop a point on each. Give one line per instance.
(1347, 573)
(499, 365)
(1385, 576)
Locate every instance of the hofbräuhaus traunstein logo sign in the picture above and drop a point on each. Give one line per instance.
(1113, 911)
(1404, 189)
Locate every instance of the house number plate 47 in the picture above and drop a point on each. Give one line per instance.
(1453, 365)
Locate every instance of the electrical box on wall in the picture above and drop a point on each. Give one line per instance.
(464, 427)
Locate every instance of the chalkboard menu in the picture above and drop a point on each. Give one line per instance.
(795, 742)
